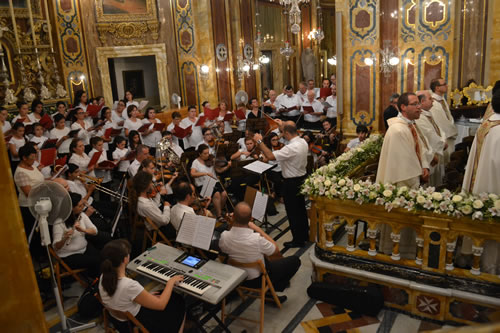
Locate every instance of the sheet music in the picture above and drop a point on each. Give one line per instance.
(259, 167)
(196, 230)
(259, 206)
(142, 104)
(208, 187)
(326, 105)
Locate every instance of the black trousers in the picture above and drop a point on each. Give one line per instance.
(280, 272)
(167, 320)
(295, 206)
(90, 259)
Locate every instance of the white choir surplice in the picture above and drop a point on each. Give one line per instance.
(436, 139)
(399, 164)
(443, 118)
(487, 180)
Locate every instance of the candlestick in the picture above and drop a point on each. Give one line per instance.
(32, 25)
(48, 26)
(14, 26)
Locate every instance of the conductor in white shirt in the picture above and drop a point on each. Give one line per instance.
(293, 160)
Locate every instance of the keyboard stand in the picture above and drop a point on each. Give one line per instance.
(211, 314)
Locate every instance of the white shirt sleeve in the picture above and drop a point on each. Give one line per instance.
(266, 247)
(283, 154)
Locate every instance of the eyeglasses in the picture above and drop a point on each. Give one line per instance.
(444, 84)
(80, 113)
(414, 104)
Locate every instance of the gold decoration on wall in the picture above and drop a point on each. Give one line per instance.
(21, 9)
(456, 97)
(131, 23)
(157, 50)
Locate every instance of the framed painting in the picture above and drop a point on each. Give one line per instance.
(20, 8)
(109, 11)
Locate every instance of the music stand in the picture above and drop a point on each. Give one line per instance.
(261, 169)
(256, 124)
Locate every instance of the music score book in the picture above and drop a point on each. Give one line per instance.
(208, 187)
(48, 156)
(308, 109)
(201, 121)
(240, 114)
(259, 206)
(228, 116)
(211, 114)
(259, 167)
(142, 104)
(93, 110)
(325, 92)
(180, 132)
(196, 231)
(94, 159)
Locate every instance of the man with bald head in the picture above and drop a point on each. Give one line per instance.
(293, 160)
(312, 109)
(434, 135)
(246, 243)
(272, 102)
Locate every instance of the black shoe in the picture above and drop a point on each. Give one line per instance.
(282, 299)
(294, 244)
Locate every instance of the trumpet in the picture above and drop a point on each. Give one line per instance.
(86, 179)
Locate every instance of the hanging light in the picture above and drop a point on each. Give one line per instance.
(368, 61)
(294, 13)
(204, 69)
(263, 59)
(287, 51)
(332, 61)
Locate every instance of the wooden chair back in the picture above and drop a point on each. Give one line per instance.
(61, 269)
(134, 324)
(266, 285)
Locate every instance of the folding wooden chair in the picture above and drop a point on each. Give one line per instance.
(243, 291)
(61, 269)
(134, 325)
(154, 233)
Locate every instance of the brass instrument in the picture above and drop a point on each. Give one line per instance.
(86, 179)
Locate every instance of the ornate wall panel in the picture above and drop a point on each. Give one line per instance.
(193, 30)
(221, 47)
(361, 40)
(494, 54)
(72, 46)
(473, 24)
(247, 26)
(426, 42)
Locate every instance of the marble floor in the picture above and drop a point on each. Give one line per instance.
(298, 314)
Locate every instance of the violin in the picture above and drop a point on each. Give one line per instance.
(279, 146)
(211, 143)
(209, 162)
(154, 190)
(316, 149)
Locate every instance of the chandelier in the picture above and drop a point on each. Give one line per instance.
(294, 13)
(287, 51)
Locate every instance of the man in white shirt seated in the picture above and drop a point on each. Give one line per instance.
(331, 112)
(184, 195)
(142, 152)
(290, 105)
(312, 117)
(246, 243)
(362, 132)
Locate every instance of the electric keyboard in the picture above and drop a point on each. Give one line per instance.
(207, 280)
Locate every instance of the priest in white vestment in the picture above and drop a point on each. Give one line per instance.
(482, 175)
(402, 162)
(441, 113)
(435, 137)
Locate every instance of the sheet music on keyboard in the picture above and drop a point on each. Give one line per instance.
(196, 230)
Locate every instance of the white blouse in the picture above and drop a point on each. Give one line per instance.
(200, 167)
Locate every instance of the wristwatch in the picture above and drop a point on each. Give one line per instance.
(259, 142)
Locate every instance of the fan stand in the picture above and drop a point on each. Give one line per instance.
(46, 241)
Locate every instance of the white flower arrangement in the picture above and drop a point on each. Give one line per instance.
(330, 181)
